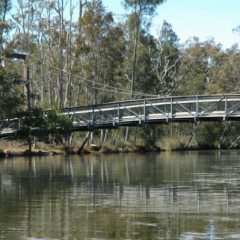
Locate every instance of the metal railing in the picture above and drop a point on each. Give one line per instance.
(160, 110)
(148, 111)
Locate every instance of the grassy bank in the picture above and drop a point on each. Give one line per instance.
(149, 138)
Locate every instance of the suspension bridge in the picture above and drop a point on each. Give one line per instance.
(162, 110)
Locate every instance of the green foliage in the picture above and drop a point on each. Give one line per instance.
(35, 126)
(176, 142)
(209, 134)
(147, 7)
(101, 45)
(58, 126)
(5, 6)
(149, 134)
(12, 98)
(99, 59)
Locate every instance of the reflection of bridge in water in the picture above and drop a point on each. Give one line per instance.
(152, 111)
(177, 186)
(184, 191)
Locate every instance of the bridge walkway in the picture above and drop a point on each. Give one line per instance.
(163, 110)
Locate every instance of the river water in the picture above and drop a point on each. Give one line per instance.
(169, 195)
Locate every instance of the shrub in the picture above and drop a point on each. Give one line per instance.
(176, 142)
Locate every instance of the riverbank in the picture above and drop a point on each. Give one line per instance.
(168, 144)
(89, 149)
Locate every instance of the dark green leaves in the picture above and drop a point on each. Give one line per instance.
(50, 127)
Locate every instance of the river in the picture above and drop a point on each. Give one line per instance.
(168, 195)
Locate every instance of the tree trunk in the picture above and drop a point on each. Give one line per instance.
(114, 138)
(60, 61)
(68, 95)
(135, 137)
(42, 72)
(50, 94)
(193, 134)
(77, 96)
(133, 69)
(70, 140)
(102, 135)
(221, 139)
(92, 138)
(105, 137)
(234, 142)
(127, 135)
(83, 144)
(5, 6)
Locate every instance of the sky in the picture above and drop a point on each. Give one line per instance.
(205, 19)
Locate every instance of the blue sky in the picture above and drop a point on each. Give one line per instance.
(201, 18)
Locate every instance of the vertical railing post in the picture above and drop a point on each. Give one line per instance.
(171, 108)
(165, 106)
(144, 109)
(226, 106)
(196, 105)
(118, 114)
(93, 117)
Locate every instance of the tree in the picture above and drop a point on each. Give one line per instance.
(100, 49)
(140, 10)
(12, 98)
(195, 67)
(32, 124)
(99, 45)
(5, 6)
(166, 59)
(52, 128)
(229, 71)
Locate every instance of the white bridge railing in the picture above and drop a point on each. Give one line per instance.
(160, 110)
(149, 111)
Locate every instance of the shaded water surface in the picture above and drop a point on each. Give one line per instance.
(179, 195)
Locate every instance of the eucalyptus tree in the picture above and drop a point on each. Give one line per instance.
(201, 65)
(54, 128)
(194, 68)
(5, 6)
(99, 46)
(209, 69)
(44, 30)
(166, 59)
(229, 72)
(12, 97)
(159, 60)
(25, 19)
(57, 37)
(26, 39)
(100, 49)
(141, 11)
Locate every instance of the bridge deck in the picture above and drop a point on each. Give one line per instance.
(151, 111)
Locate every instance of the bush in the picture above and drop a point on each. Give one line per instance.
(176, 142)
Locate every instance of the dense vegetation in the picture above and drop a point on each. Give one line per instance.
(99, 57)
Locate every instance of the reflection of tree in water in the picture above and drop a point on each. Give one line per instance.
(116, 196)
